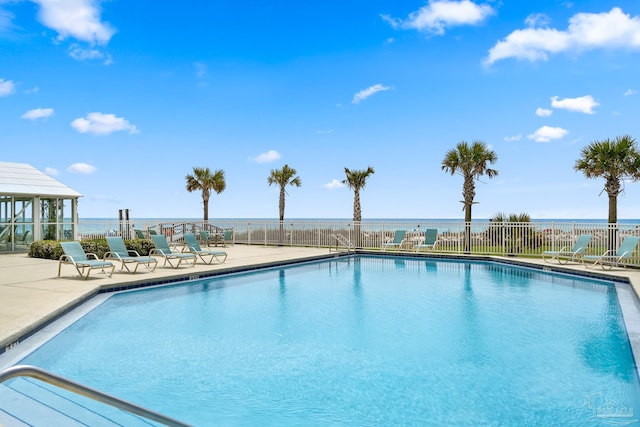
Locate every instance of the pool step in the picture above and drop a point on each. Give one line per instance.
(28, 402)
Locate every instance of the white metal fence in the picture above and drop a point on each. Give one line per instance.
(484, 237)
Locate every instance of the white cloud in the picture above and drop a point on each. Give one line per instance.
(81, 54)
(81, 168)
(324, 132)
(79, 19)
(583, 104)
(335, 183)
(7, 87)
(513, 138)
(537, 20)
(51, 171)
(630, 92)
(547, 133)
(543, 112)
(201, 69)
(6, 19)
(586, 31)
(33, 90)
(440, 14)
(365, 93)
(102, 124)
(269, 156)
(38, 113)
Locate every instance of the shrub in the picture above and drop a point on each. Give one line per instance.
(51, 249)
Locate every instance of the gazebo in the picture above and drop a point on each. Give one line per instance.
(34, 206)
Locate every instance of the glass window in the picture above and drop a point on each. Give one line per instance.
(23, 210)
(5, 209)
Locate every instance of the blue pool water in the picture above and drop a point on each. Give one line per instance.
(364, 341)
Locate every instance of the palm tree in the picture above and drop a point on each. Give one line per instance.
(614, 161)
(283, 177)
(356, 180)
(470, 161)
(203, 180)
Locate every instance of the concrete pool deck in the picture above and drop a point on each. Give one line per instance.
(32, 295)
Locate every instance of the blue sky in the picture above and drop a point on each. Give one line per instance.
(119, 100)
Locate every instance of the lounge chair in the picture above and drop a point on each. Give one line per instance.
(140, 234)
(83, 262)
(567, 254)
(118, 251)
(610, 258)
(430, 239)
(398, 239)
(163, 250)
(207, 256)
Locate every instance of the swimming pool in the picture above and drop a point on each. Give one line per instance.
(361, 340)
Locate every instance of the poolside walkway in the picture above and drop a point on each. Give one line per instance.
(31, 294)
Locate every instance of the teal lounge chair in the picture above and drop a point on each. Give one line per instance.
(83, 262)
(398, 238)
(207, 256)
(118, 251)
(610, 259)
(567, 254)
(430, 239)
(163, 250)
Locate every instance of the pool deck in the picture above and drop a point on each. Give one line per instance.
(32, 295)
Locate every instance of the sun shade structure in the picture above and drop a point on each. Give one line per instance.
(34, 206)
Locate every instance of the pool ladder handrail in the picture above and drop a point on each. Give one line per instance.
(86, 391)
(344, 241)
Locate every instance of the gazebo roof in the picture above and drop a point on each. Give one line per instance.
(21, 179)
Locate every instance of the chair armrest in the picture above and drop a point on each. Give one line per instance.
(95, 257)
(111, 255)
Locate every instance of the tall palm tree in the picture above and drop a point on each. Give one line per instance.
(203, 180)
(356, 180)
(283, 177)
(614, 161)
(470, 161)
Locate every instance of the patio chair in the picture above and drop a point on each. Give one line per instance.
(227, 237)
(140, 234)
(610, 258)
(83, 262)
(566, 254)
(206, 237)
(163, 250)
(207, 256)
(398, 239)
(430, 239)
(118, 251)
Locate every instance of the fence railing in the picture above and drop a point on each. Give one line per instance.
(484, 237)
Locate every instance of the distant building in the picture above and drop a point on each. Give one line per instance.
(34, 206)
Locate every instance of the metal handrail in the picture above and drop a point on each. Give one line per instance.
(344, 241)
(83, 390)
